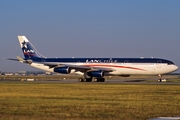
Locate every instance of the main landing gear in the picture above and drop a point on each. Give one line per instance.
(85, 79)
(91, 79)
(99, 79)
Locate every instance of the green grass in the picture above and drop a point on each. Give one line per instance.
(87, 101)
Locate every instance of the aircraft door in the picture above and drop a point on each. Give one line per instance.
(159, 63)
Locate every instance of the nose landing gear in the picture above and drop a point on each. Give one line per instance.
(160, 79)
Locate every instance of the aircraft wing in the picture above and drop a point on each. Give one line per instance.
(81, 68)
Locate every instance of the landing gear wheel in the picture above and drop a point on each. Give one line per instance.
(95, 79)
(99, 79)
(88, 79)
(102, 79)
(81, 80)
(160, 80)
(85, 79)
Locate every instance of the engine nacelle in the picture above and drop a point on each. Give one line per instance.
(96, 73)
(63, 70)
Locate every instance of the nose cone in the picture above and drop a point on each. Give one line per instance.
(175, 67)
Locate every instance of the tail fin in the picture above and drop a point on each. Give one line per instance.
(28, 49)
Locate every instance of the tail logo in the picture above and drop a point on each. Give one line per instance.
(27, 49)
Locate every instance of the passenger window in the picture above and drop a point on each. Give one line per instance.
(126, 61)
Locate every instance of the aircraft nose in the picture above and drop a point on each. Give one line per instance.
(175, 67)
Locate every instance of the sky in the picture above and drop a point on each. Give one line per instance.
(90, 28)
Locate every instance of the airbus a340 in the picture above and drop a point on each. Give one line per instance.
(94, 69)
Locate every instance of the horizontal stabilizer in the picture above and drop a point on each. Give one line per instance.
(11, 59)
(20, 59)
(24, 61)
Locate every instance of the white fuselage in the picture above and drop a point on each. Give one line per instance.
(121, 68)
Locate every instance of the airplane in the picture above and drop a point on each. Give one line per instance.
(94, 69)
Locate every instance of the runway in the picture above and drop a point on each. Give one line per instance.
(114, 81)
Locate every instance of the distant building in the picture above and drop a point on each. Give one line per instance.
(22, 72)
(8, 73)
(16, 73)
(48, 73)
(35, 72)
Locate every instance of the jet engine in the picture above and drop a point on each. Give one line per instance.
(63, 70)
(99, 73)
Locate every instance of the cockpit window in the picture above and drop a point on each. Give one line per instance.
(170, 63)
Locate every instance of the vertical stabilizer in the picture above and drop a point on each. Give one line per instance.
(28, 49)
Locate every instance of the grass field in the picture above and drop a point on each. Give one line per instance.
(37, 101)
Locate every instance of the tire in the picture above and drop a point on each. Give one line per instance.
(102, 79)
(88, 79)
(81, 80)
